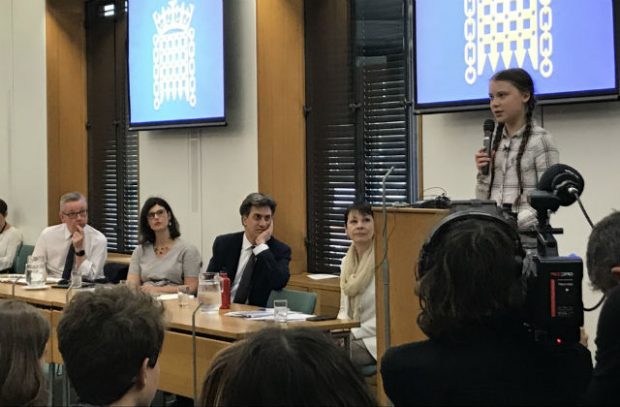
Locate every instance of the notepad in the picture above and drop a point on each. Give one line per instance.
(320, 276)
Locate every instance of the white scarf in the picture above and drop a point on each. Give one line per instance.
(355, 277)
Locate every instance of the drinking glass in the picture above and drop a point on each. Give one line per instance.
(36, 272)
(76, 279)
(209, 293)
(183, 292)
(280, 310)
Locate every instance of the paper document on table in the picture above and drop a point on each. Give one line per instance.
(320, 276)
(267, 314)
(9, 278)
(171, 296)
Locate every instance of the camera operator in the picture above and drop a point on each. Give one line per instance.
(479, 352)
(603, 261)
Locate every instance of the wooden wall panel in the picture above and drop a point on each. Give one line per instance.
(281, 123)
(66, 101)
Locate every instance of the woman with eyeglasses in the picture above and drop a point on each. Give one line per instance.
(163, 260)
(10, 240)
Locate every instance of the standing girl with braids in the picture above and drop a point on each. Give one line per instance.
(521, 151)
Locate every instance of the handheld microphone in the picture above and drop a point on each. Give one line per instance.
(487, 127)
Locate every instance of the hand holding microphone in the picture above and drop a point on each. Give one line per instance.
(483, 156)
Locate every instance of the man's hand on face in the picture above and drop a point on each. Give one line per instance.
(78, 238)
(265, 235)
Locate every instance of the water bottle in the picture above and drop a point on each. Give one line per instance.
(225, 282)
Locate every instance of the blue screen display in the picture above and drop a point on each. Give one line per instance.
(567, 47)
(176, 62)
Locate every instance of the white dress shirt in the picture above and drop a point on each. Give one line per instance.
(10, 241)
(244, 256)
(54, 241)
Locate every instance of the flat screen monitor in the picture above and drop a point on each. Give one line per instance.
(569, 47)
(175, 63)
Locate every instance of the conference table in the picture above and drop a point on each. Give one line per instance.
(209, 333)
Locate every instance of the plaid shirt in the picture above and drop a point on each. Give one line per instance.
(540, 153)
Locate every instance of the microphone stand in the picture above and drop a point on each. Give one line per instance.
(14, 284)
(194, 368)
(386, 274)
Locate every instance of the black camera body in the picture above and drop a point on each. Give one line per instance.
(554, 301)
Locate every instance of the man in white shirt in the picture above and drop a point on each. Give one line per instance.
(72, 245)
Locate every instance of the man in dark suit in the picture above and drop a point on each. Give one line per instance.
(256, 262)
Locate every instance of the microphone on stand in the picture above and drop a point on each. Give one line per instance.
(386, 274)
(487, 139)
(194, 367)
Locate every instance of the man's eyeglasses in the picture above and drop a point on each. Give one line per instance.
(159, 213)
(74, 215)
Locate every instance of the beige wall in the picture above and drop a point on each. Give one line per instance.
(206, 173)
(23, 118)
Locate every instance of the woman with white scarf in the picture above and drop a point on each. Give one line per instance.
(357, 283)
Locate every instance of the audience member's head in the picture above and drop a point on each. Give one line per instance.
(154, 212)
(284, 367)
(603, 253)
(73, 210)
(469, 274)
(23, 335)
(110, 341)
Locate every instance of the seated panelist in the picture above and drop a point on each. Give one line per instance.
(256, 262)
(10, 240)
(357, 283)
(163, 260)
(73, 244)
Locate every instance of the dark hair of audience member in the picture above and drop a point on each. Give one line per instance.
(258, 200)
(23, 335)
(362, 207)
(602, 253)
(104, 337)
(470, 279)
(285, 367)
(146, 233)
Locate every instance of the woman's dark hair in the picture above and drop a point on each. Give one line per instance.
(23, 335)
(521, 80)
(146, 233)
(284, 367)
(471, 278)
(603, 252)
(3, 208)
(362, 207)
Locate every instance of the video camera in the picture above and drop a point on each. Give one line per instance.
(554, 296)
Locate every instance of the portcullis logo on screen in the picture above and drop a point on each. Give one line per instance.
(507, 29)
(174, 55)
